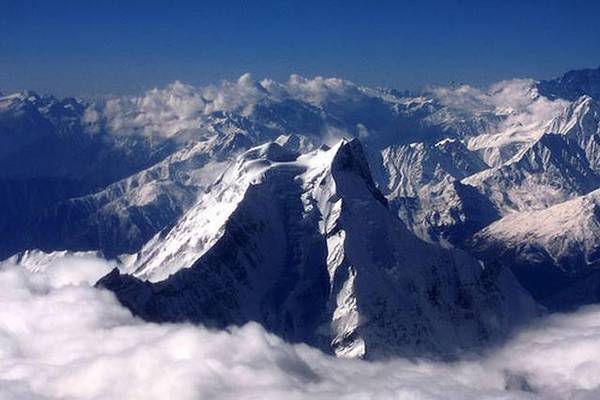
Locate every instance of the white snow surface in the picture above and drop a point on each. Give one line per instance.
(387, 292)
(202, 224)
(563, 231)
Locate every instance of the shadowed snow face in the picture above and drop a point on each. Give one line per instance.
(61, 338)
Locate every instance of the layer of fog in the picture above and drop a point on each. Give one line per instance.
(61, 338)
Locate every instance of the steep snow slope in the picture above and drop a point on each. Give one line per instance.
(527, 116)
(410, 167)
(550, 171)
(312, 252)
(550, 249)
(581, 122)
(421, 182)
(197, 230)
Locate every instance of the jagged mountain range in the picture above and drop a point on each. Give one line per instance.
(365, 221)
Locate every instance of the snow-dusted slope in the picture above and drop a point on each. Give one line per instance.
(552, 170)
(410, 167)
(581, 122)
(526, 116)
(421, 181)
(548, 249)
(312, 252)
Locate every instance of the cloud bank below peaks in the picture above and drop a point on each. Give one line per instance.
(60, 338)
(180, 107)
(518, 100)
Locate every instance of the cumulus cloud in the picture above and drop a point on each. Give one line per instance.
(161, 112)
(60, 338)
(180, 108)
(315, 91)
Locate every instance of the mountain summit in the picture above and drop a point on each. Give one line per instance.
(312, 252)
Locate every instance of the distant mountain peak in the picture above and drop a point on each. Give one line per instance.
(573, 85)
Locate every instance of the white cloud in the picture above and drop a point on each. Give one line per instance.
(516, 98)
(182, 108)
(60, 338)
(319, 90)
(463, 97)
(162, 112)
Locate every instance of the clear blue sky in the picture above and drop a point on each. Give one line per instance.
(84, 47)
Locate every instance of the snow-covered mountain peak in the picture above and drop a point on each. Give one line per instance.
(553, 251)
(582, 117)
(41, 110)
(177, 247)
(550, 170)
(573, 85)
(350, 158)
(581, 122)
(408, 168)
(19, 102)
(311, 251)
(527, 122)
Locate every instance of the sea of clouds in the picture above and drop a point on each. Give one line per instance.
(60, 338)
